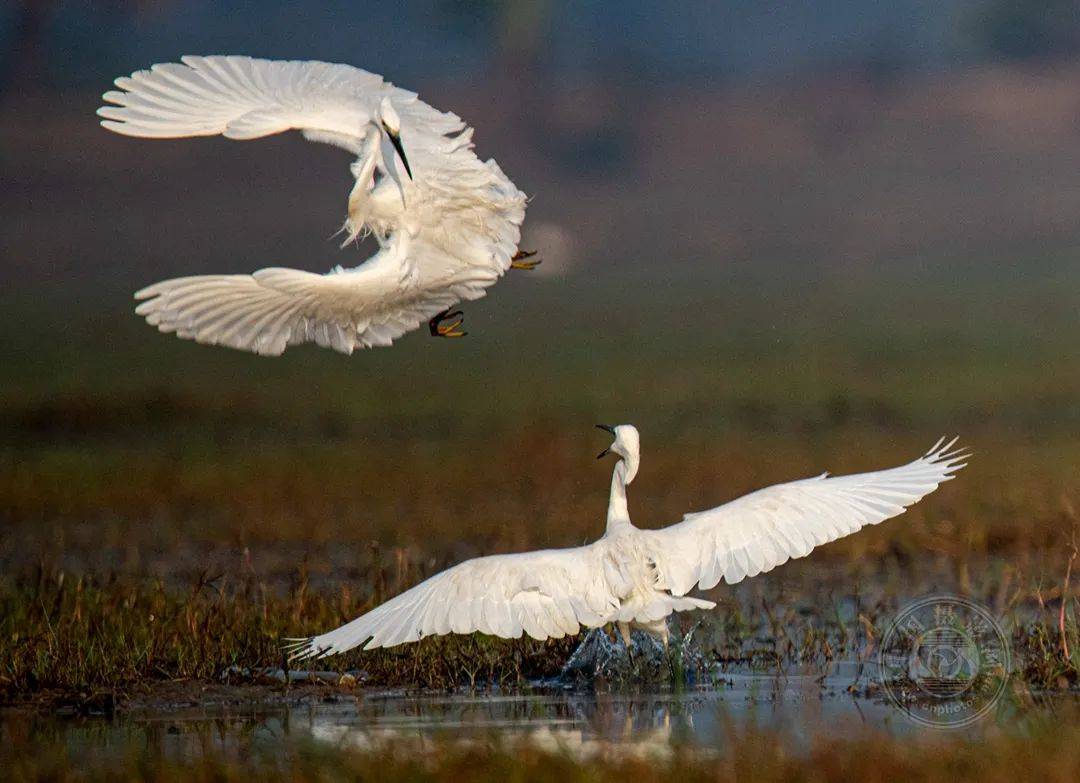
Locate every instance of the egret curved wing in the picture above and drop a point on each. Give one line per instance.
(248, 98)
(759, 531)
(345, 310)
(545, 594)
(274, 308)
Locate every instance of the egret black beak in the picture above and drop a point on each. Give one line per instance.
(605, 428)
(395, 139)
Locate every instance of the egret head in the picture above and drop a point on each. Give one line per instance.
(627, 445)
(388, 120)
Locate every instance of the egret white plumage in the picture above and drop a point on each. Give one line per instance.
(636, 578)
(447, 224)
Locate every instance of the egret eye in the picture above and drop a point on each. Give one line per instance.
(390, 131)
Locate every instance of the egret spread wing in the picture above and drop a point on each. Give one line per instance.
(247, 98)
(345, 310)
(759, 531)
(545, 594)
(464, 250)
(269, 310)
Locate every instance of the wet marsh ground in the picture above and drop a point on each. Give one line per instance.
(172, 511)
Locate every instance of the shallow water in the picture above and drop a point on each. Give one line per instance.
(270, 709)
(580, 721)
(803, 707)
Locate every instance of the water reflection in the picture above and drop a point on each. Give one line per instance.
(802, 707)
(580, 722)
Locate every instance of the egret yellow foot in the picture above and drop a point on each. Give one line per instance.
(518, 261)
(439, 328)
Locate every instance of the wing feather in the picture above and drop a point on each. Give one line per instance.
(273, 308)
(764, 529)
(503, 595)
(247, 98)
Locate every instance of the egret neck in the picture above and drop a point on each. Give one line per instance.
(364, 172)
(618, 516)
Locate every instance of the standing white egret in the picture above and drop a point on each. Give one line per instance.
(636, 578)
(448, 224)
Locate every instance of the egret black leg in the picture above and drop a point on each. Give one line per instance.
(519, 260)
(438, 328)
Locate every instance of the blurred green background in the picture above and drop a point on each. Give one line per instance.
(777, 242)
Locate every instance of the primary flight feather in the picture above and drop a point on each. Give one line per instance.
(636, 578)
(447, 223)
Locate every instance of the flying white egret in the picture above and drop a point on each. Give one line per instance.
(447, 226)
(636, 578)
